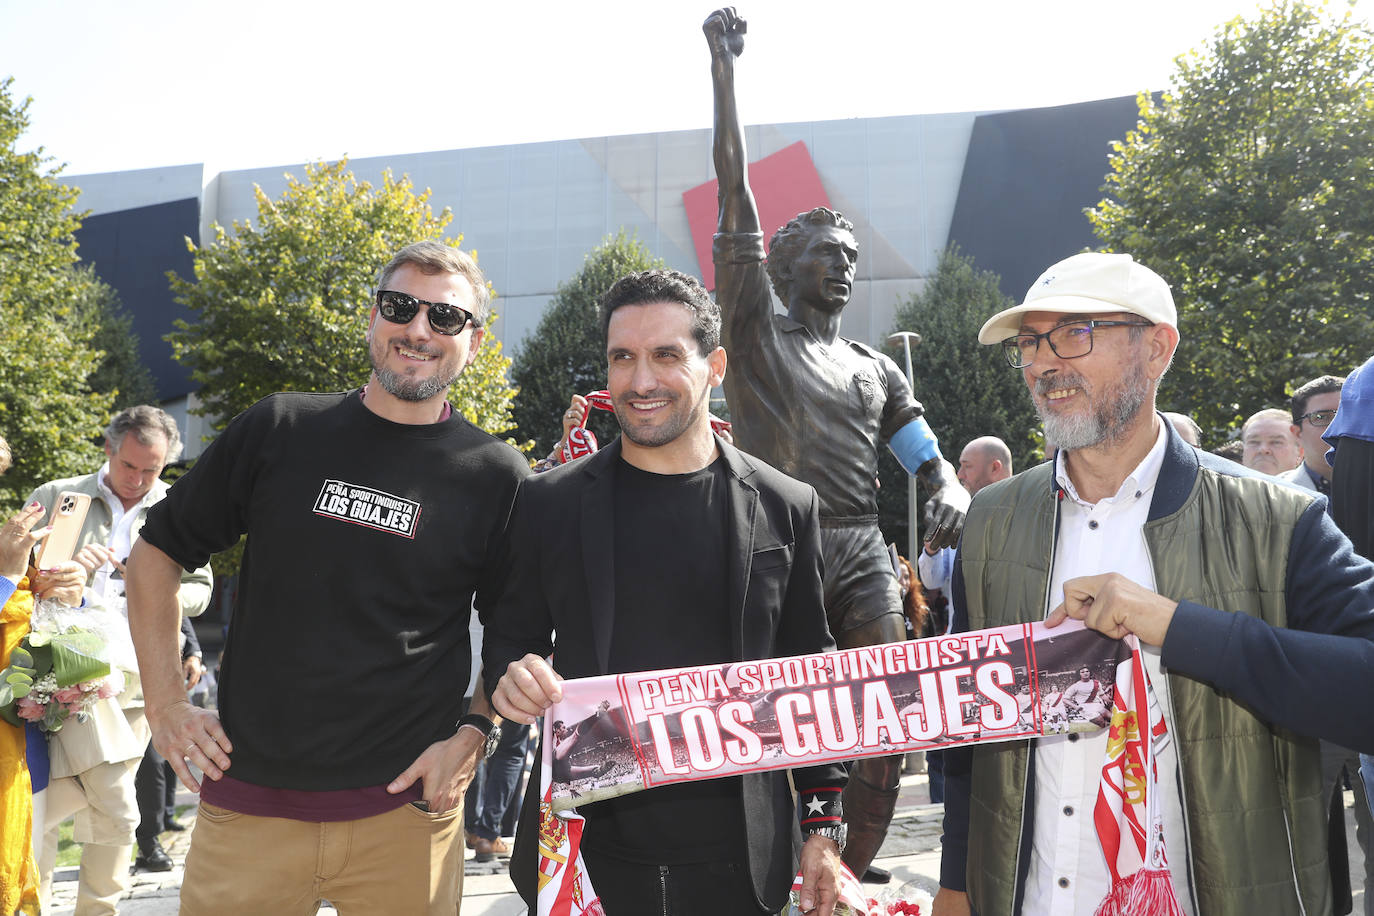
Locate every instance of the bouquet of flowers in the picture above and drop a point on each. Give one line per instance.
(63, 666)
(912, 899)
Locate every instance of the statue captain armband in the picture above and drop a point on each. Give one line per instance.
(914, 445)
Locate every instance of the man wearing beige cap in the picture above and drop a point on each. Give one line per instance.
(1251, 610)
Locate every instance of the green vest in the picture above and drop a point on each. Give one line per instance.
(1253, 806)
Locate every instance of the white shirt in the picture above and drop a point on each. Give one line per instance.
(937, 572)
(1068, 871)
(474, 637)
(108, 589)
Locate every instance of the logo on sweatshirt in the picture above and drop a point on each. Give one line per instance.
(370, 508)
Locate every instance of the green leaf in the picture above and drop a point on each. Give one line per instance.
(42, 660)
(78, 656)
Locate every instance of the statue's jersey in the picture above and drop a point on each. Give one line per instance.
(816, 412)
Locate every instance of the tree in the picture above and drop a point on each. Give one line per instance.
(48, 413)
(966, 388)
(1249, 186)
(283, 304)
(566, 354)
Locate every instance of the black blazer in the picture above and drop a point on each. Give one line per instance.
(554, 582)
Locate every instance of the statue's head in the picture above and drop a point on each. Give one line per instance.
(813, 258)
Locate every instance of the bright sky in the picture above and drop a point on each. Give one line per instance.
(144, 83)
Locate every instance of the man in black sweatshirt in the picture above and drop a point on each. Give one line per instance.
(337, 759)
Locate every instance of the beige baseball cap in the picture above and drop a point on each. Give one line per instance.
(1089, 283)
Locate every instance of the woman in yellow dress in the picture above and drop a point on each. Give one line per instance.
(18, 872)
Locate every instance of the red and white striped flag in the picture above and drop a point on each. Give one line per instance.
(1126, 816)
(564, 887)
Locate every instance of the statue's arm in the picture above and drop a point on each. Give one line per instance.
(912, 440)
(725, 37)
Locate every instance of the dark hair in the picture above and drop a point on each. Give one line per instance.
(648, 286)
(790, 241)
(1323, 385)
(914, 601)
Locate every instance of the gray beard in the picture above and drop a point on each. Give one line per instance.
(401, 387)
(1107, 421)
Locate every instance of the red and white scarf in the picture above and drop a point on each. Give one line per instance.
(581, 441)
(1127, 816)
(564, 887)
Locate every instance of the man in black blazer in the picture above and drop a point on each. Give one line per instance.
(669, 548)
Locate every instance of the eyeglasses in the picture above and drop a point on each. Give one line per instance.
(1320, 419)
(1068, 341)
(444, 318)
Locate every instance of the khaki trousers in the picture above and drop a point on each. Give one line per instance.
(102, 798)
(401, 861)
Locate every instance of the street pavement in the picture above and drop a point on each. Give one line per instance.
(911, 852)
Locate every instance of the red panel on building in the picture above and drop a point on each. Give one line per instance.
(785, 184)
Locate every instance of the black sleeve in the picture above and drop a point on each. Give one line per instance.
(958, 764)
(802, 630)
(1352, 492)
(496, 570)
(206, 510)
(1304, 676)
(192, 645)
(518, 621)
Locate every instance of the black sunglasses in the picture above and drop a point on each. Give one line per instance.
(443, 318)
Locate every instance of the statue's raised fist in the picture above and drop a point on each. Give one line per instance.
(725, 33)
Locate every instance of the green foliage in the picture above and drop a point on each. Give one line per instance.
(48, 414)
(566, 354)
(1250, 188)
(967, 389)
(282, 304)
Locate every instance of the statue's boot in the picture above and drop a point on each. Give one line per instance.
(869, 800)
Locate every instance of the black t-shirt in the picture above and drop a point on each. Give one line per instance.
(348, 652)
(670, 612)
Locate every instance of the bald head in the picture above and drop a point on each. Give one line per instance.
(983, 461)
(1187, 429)
(1270, 446)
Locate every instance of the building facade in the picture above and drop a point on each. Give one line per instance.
(1008, 187)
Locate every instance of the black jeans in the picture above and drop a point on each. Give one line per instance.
(152, 788)
(633, 889)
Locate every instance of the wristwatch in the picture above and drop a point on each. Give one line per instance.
(488, 728)
(836, 832)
